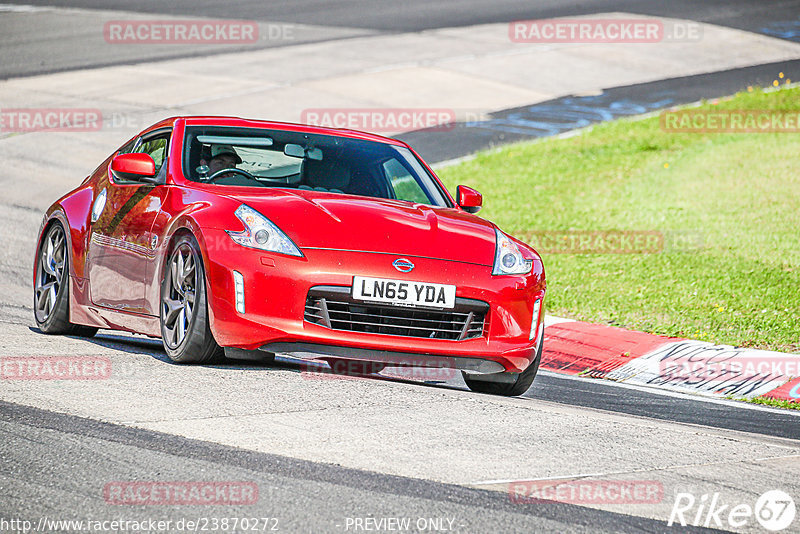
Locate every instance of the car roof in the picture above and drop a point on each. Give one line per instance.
(208, 120)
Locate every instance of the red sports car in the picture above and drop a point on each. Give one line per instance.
(249, 238)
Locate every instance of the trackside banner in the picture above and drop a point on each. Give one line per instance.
(712, 369)
(670, 363)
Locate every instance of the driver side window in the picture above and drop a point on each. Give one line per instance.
(156, 148)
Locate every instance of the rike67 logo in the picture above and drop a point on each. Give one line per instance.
(774, 510)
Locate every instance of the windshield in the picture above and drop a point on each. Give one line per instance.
(274, 158)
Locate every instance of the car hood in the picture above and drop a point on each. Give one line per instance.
(342, 222)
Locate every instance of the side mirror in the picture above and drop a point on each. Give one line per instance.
(469, 200)
(139, 167)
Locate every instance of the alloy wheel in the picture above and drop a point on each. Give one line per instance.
(177, 303)
(50, 274)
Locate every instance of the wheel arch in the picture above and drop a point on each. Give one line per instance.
(189, 228)
(72, 211)
(57, 214)
(193, 213)
(185, 226)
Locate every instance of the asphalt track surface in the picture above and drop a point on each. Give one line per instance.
(46, 450)
(418, 15)
(54, 462)
(57, 41)
(55, 465)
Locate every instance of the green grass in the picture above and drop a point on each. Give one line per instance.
(739, 193)
(775, 403)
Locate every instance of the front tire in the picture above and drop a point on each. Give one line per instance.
(519, 386)
(185, 329)
(51, 286)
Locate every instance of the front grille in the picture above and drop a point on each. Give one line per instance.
(334, 307)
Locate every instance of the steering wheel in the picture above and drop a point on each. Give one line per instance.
(231, 170)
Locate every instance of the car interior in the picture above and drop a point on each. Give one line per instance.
(353, 168)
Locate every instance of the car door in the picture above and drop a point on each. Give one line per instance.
(121, 245)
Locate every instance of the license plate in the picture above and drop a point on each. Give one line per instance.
(404, 292)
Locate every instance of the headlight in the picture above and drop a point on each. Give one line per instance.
(261, 233)
(507, 257)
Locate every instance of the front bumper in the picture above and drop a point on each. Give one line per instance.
(276, 288)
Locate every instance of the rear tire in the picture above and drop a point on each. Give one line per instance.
(185, 329)
(521, 384)
(51, 286)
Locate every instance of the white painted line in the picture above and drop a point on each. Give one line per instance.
(454, 161)
(768, 458)
(550, 320)
(509, 481)
(13, 8)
